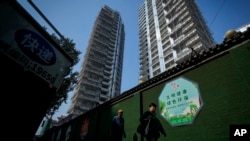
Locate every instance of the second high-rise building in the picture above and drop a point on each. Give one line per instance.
(168, 32)
(100, 77)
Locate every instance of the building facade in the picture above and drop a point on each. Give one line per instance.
(100, 77)
(169, 32)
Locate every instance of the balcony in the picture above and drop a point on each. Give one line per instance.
(183, 53)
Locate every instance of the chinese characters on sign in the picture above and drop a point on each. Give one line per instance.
(25, 45)
(37, 51)
(35, 47)
(180, 101)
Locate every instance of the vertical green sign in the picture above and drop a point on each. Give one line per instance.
(180, 101)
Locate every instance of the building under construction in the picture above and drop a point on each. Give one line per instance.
(169, 31)
(100, 77)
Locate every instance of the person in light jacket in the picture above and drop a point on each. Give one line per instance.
(118, 126)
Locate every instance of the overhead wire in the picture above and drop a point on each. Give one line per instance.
(217, 13)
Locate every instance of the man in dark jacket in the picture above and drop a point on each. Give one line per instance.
(154, 128)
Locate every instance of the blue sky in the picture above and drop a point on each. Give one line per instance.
(75, 18)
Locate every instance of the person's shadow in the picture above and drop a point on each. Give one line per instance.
(135, 137)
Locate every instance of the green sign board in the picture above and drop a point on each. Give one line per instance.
(180, 101)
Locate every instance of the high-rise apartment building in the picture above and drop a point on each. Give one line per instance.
(169, 30)
(100, 77)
